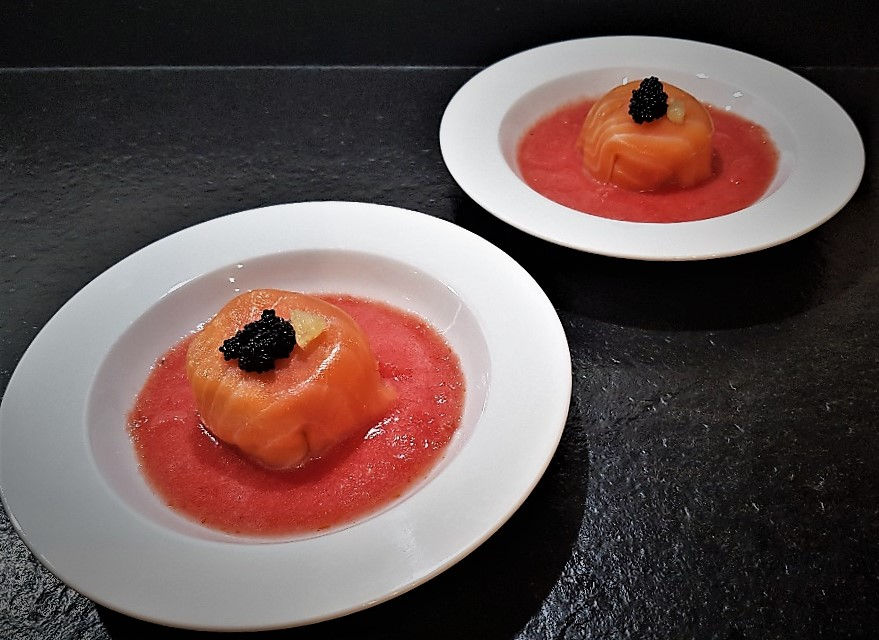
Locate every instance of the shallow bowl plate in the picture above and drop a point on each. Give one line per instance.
(69, 477)
(821, 155)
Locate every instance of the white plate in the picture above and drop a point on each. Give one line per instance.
(821, 152)
(68, 473)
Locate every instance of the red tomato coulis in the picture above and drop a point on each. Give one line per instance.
(745, 162)
(212, 483)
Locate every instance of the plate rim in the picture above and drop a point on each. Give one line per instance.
(402, 221)
(472, 154)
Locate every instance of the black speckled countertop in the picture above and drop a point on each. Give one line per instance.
(717, 477)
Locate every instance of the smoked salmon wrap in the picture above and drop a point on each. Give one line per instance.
(327, 389)
(672, 151)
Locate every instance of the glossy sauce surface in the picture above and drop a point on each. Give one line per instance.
(744, 164)
(212, 483)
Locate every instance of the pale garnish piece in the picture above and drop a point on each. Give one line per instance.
(307, 326)
(676, 111)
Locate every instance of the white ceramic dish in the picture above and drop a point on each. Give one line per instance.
(821, 152)
(68, 474)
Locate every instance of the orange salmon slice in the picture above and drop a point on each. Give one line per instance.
(321, 394)
(652, 155)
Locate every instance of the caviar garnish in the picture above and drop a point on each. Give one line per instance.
(649, 102)
(260, 343)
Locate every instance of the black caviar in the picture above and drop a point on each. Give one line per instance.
(259, 343)
(649, 102)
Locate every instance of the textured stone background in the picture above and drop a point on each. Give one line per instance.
(717, 475)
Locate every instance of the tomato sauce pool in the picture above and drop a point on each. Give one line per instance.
(745, 162)
(213, 484)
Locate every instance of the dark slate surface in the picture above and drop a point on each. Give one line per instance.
(717, 477)
(397, 32)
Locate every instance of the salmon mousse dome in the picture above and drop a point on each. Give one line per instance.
(645, 136)
(321, 387)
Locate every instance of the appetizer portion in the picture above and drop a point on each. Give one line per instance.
(281, 393)
(216, 484)
(648, 152)
(647, 136)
